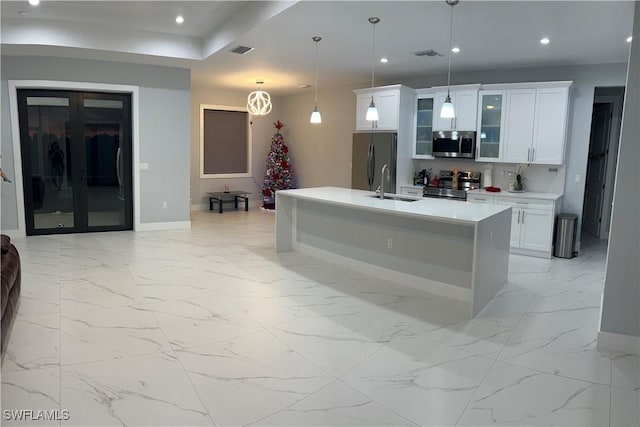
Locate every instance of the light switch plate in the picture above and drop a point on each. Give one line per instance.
(144, 166)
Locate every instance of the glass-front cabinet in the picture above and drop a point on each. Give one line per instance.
(422, 142)
(490, 125)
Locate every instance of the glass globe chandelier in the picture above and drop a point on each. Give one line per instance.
(259, 102)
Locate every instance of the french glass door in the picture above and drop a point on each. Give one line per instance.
(76, 161)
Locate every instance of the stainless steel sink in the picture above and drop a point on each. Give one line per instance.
(396, 198)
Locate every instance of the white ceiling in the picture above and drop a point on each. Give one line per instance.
(491, 35)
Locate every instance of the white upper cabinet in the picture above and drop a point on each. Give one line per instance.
(491, 117)
(465, 104)
(387, 102)
(535, 123)
(520, 114)
(549, 133)
(423, 126)
(466, 108)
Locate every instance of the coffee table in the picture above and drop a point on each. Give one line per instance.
(221, 197)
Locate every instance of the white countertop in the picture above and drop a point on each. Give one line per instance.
(525, 195)
(428, 208)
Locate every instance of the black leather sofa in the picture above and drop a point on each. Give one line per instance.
(11, 277)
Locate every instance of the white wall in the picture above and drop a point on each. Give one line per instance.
(321, 152)
(262, 130)
(164, 127)
(621, 300)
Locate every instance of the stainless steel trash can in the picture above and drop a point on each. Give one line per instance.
(565, 235)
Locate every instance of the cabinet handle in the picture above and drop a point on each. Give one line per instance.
(528, 154)
(522, 203)
(533, 154)
(478, 198)
(519, 217)
(523, 217)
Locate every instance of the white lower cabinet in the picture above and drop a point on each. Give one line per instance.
(532, 223)
(532, 229)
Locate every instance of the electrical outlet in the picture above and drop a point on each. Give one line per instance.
(164, 205)
(389, 243)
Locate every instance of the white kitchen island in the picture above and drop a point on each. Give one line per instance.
(450, 248)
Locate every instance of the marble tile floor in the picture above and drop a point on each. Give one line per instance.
(210, 326)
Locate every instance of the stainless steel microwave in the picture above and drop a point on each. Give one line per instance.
(451, 143)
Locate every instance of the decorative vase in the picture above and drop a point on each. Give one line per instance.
(517, 186)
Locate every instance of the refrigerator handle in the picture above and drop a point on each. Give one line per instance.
(373, 165)
(369, 166)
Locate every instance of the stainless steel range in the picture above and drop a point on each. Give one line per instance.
(448, 188)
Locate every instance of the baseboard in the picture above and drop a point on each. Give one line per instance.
(416, 282)
(618, 343)
(150, 226)
(528, 252)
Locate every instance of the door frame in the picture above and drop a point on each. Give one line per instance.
(612, 158)
(14, 85)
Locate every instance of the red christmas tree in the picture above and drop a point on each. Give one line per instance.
(279, 172)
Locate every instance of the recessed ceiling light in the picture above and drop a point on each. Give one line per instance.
(384, 60)
(455, 50)
(305, 86)
(544, 41)
(34, 2)
(179, 19)
(490, 107)
(629, 39)
(22, 13)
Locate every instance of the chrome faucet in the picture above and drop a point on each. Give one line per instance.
(385, 174)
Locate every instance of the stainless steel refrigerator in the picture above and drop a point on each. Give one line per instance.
(369, 153)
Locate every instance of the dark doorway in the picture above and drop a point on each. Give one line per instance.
(601, 165)
(76, 161)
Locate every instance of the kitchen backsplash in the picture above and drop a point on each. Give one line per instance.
(538, 178)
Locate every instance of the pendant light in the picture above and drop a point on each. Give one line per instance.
(447, 111)
(372, 111)
(315, 115)
(259, 102)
